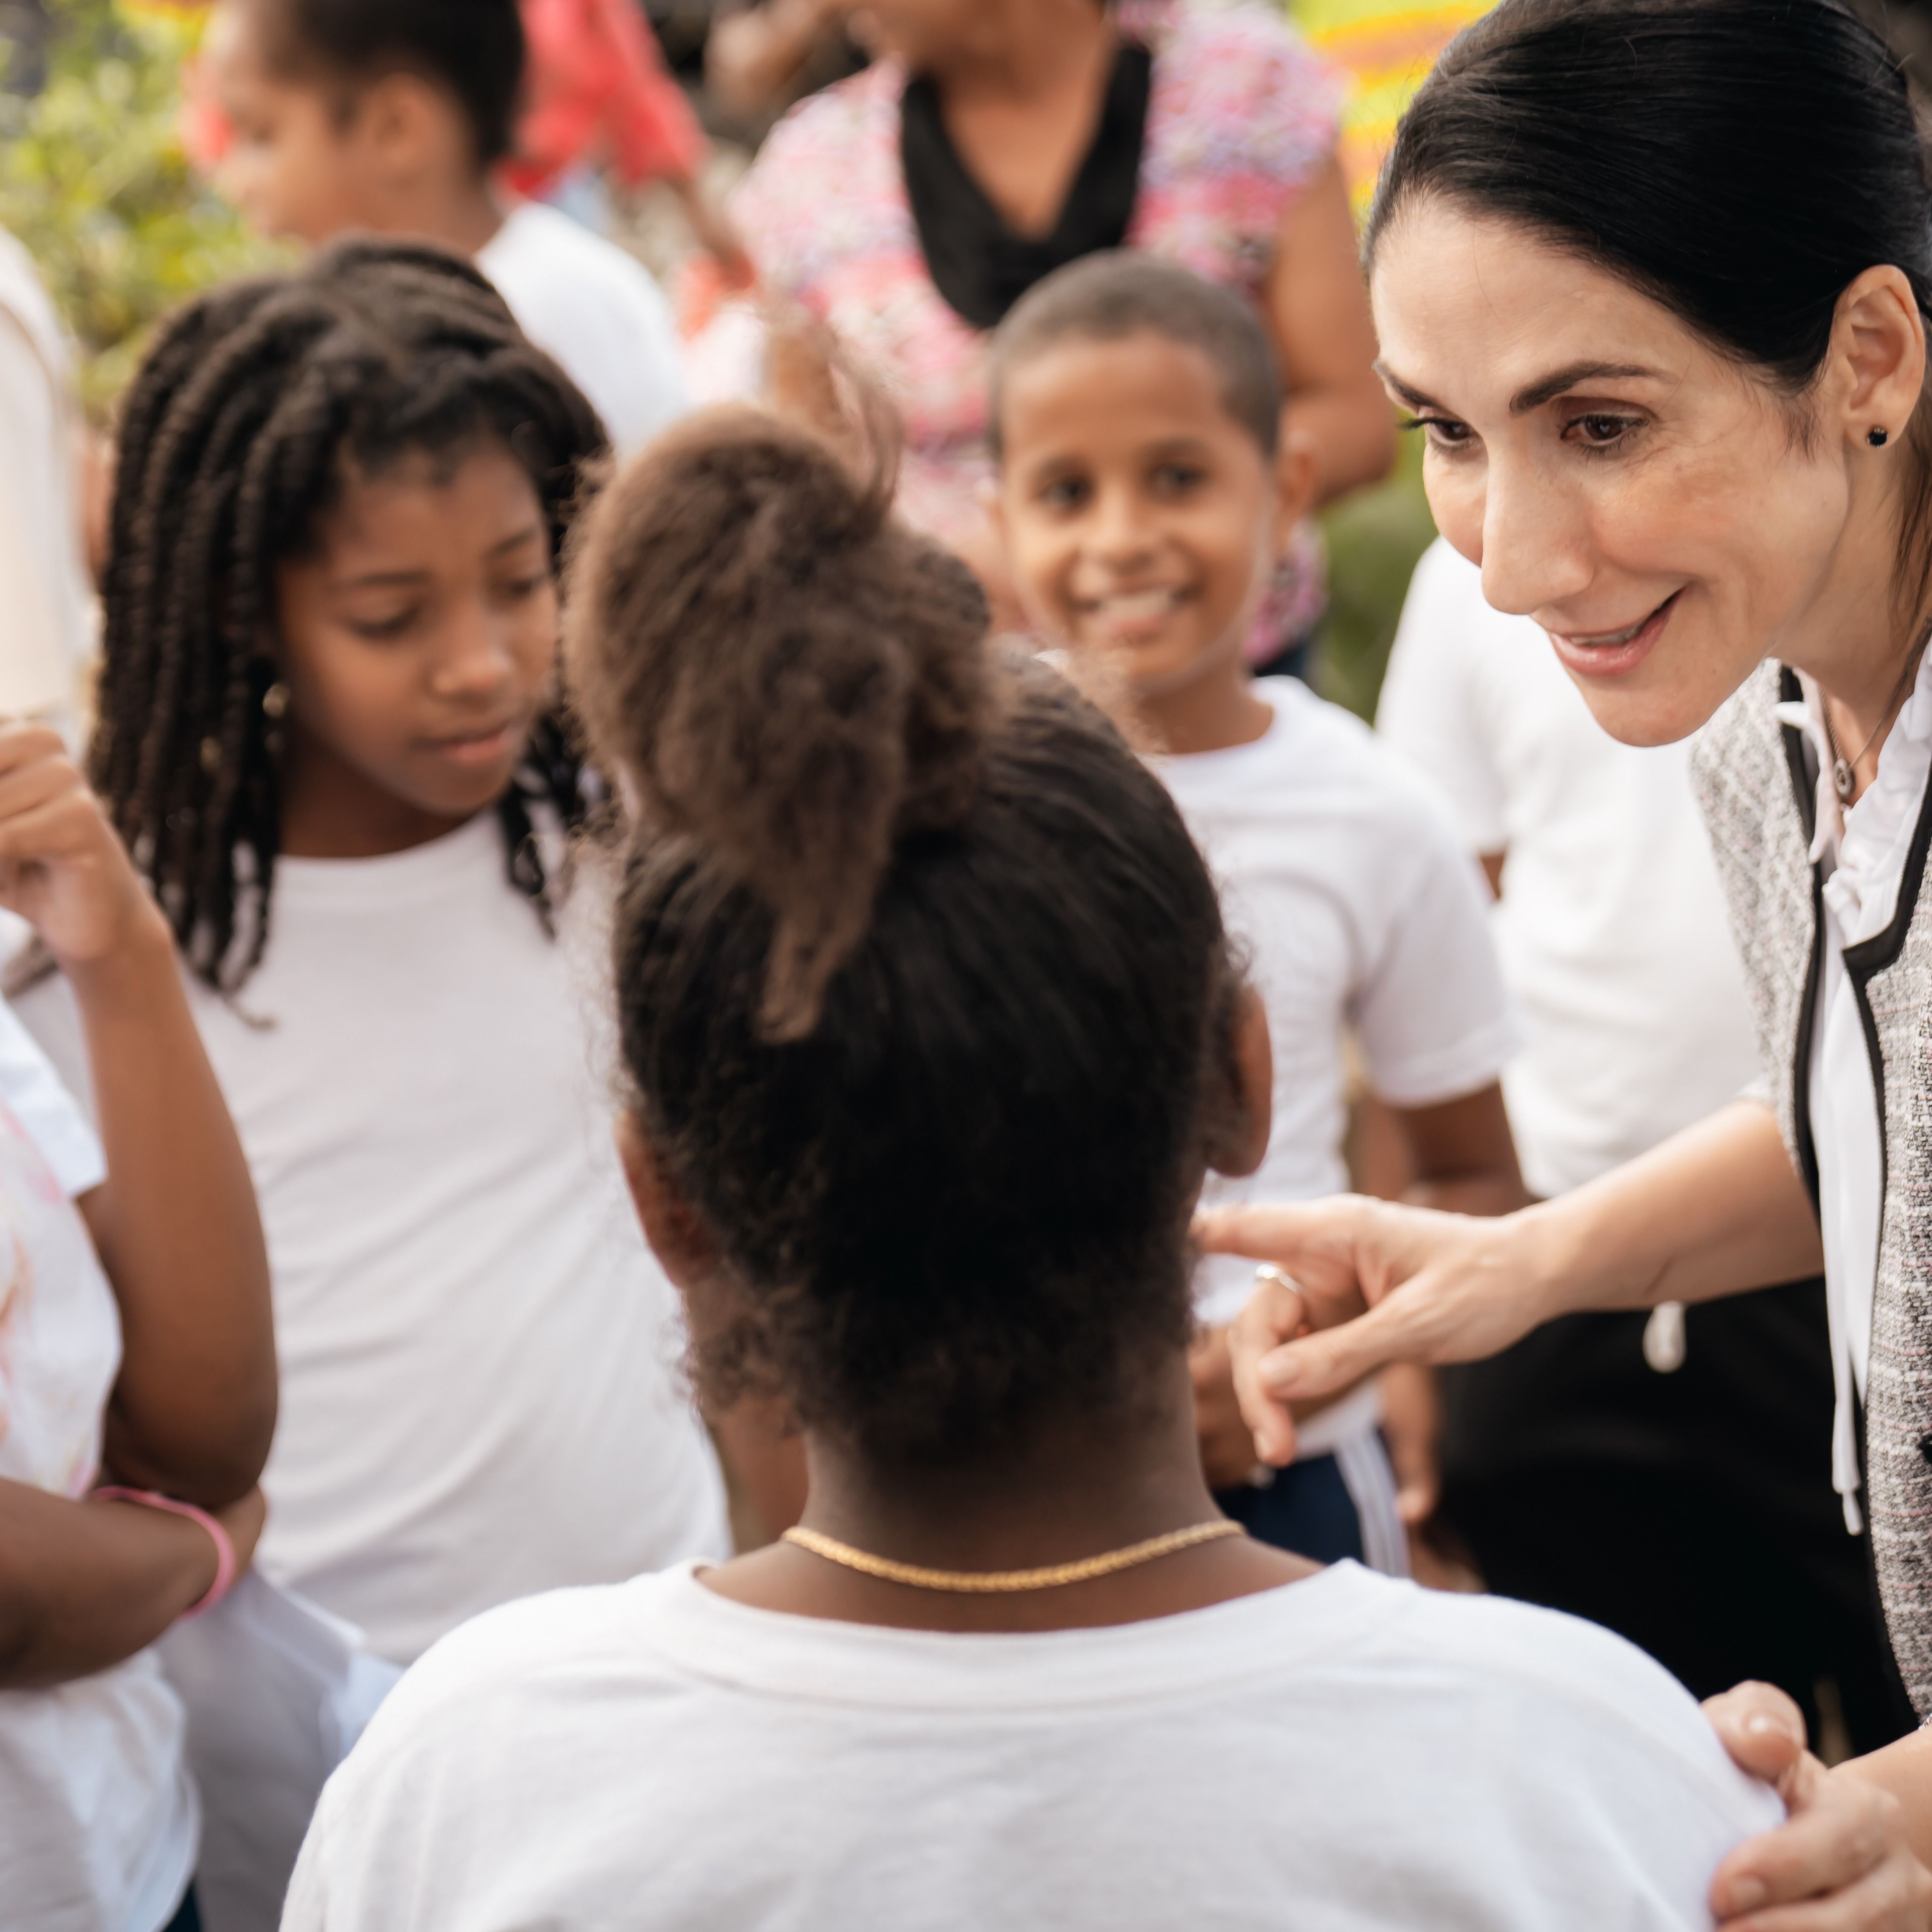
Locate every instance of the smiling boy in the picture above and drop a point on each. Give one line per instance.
(1146, 487)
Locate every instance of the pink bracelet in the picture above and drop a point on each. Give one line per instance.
(224, 1549)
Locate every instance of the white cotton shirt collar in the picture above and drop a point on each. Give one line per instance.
(1861, 854)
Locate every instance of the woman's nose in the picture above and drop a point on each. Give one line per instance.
(1536, 542)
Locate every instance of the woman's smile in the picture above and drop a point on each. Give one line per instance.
(1614, 653)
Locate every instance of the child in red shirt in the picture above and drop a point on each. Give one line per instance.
(599, 94)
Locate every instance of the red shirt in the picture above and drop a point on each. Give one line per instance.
(599, 92)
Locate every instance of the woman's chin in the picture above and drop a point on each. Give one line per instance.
(1656, 706)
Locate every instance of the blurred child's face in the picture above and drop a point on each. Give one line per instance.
(418, 639)
(296, 162)
(1141, 520)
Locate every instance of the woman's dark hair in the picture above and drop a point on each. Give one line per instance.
(237, 434)
(922, 987)
(474, 48)
(1120, 292)
(1740, 161)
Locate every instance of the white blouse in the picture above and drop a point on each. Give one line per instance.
(1861, 854)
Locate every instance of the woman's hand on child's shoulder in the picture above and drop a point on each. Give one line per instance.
(63, 868)
(1841, 1864)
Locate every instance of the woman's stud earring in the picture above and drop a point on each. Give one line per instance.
(1878, 438)
(275, 702)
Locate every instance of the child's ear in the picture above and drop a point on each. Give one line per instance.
(676, 1230)
(406, 121)
(1295, 480)
(1242, 1144)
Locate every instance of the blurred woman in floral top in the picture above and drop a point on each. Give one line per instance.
(993, 140)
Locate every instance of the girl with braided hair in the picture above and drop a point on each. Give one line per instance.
(327, 735)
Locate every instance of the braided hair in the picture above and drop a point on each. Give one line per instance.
(233, 442)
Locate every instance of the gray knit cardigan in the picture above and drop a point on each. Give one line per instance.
(1755, 780)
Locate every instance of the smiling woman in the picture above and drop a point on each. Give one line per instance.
(1653, 277)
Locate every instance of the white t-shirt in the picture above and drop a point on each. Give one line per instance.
(1345, 1752)
(479, 1356)
(1614, 933)
(1359, 908)
(98, 1821)
(44, 582)
(596, 310)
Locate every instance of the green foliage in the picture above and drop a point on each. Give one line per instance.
(95, 181)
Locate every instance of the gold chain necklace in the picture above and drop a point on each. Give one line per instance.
(990, 1582)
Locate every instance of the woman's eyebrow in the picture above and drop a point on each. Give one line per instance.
(1546, 389)
(1410, 394)
(1526, 401)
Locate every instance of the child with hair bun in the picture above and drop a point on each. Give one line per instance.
(1146, 488)
(328, 733)
(932, 1033)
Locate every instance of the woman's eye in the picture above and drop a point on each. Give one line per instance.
(1599, 431)
(521, 590)
(1069, 492)
(1443, 433)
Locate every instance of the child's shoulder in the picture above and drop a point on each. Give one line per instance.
(1316, 753)
(546, 252)
(512, 1657)
(1579, 1683)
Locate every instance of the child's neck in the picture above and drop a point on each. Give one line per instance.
(1212, 714)
(463, 213)
(331, 811)
(1098, 1481)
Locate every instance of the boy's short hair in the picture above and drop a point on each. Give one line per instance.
(474, 48)
(1121, 292)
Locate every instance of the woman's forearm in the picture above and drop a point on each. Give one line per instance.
(84, 1586)
(1318, 311)
(1713, 1211)
(1358, 1284)
(754, 56)
(194, 1407)
(1351, 430)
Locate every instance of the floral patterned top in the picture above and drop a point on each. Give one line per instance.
(1240, 116)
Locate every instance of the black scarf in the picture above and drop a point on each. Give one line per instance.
(976, 261)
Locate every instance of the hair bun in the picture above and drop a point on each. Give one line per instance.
(789, 677)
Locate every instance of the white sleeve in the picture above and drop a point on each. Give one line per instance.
(47, 617)
(1430, 709)
(54, 1121)
(1433, 1018)
(1611, 1784)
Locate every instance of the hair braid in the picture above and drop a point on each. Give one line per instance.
(233, 442)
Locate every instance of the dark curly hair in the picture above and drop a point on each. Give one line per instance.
(923, 986)
(232, 444)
